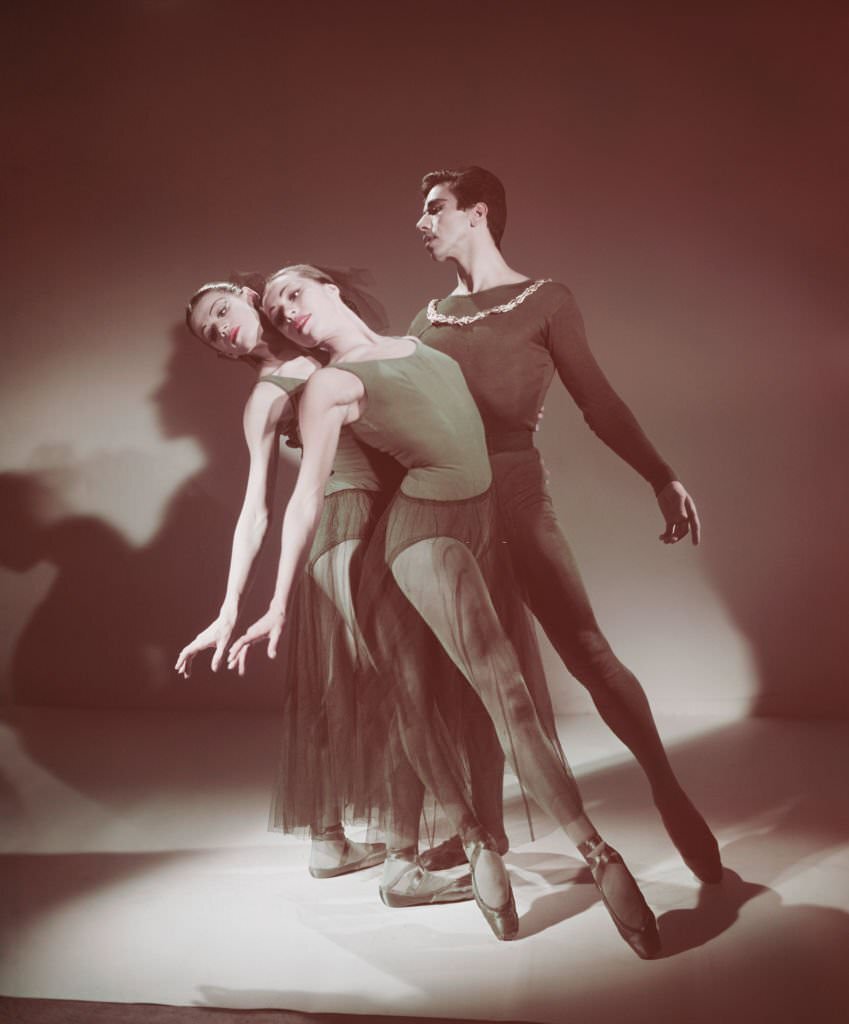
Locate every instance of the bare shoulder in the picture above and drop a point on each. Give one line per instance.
(331, 386)
(265, 402)
(300, 366)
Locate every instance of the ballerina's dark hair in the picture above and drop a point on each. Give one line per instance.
(352, 283)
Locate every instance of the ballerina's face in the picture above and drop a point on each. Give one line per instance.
(304, 310)
(227, 321)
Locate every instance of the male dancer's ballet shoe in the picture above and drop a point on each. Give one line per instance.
(503, 920)
(693, 839)
(355, 857)
(447, 854)
(413, 886)
(707, 868)
(450, 854)
(645, 939)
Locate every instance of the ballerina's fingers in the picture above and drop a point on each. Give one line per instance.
(183, 665)
(220, 650)
(241, 660)
(238, 653)
(185, 658)
(272, 642)
(270, 627)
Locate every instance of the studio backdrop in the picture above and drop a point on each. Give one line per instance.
(684, 175)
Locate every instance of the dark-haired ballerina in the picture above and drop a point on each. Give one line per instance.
(509, 334)
(433, 580)
(322, 775)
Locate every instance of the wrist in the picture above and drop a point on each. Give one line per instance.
(668, 483)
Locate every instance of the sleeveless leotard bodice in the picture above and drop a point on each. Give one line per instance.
(419, 411)
(327, 769)
(355, 465)
(437, 601)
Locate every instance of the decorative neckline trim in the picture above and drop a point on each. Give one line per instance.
(439, 319)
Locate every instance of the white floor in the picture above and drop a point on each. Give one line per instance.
(137, 868)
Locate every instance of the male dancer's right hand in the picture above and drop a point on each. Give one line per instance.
(679, 514)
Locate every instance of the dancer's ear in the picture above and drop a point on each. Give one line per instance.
(478, 214)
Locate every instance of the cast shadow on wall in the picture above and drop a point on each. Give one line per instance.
(780, 570)
(107, 632)
(80, 645)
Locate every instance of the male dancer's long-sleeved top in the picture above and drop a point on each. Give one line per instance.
(509, 358)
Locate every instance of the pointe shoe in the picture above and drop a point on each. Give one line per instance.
(450, 854)
(644, 940)
(416, 887)
(503, 920)
(355, 857)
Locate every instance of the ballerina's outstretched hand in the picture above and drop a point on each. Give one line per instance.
(269, 627)
(217, 635)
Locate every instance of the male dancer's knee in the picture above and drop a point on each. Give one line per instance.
(591, 660)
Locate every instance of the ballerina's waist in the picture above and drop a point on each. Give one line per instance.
(509, 441)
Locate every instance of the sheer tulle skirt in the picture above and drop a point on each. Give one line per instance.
(328, 770)
(454, 655)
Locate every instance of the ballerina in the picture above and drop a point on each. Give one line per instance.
(321, 773)
(434, 586)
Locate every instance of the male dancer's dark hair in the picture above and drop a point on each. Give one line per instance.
(472, 185)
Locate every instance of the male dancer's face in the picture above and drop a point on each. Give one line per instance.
(445, 229)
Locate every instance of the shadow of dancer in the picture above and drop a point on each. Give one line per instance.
(82, 645)
(114, 617)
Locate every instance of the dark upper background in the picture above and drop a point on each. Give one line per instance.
(684, 174)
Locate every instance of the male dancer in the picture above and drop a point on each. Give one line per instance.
(509, 334)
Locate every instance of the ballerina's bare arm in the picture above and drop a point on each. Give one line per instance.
(264, 410)
(330, 400)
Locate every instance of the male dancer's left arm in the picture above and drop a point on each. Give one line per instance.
(612, 421)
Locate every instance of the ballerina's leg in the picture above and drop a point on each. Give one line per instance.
(331, 850)
(443, 580)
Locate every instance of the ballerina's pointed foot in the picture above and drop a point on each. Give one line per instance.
(489, 875)
(450, 853)
(331, 858)
(622, 897)
(692, 837)
(407, 884)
